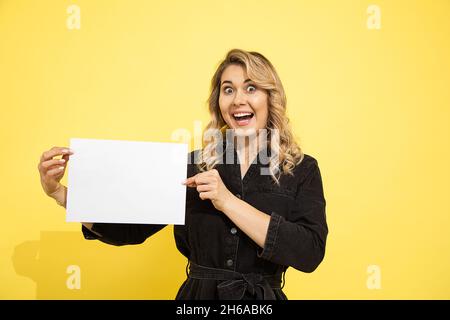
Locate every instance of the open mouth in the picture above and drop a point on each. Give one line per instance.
(243, 118)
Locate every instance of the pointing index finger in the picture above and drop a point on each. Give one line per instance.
(190, 182)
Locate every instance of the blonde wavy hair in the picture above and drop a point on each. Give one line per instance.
(263, 74)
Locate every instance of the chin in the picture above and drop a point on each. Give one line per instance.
(244, 131)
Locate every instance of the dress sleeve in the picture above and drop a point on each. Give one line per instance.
(299, 240)
(181, 240)
(121, 234)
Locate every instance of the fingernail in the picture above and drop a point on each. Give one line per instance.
(184, 181)
(60, 168)
(62, 160)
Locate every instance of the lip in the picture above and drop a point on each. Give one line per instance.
(242, 112)
(243, 123)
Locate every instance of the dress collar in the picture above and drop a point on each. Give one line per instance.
(230, 154)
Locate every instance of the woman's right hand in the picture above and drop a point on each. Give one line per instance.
(52, 170)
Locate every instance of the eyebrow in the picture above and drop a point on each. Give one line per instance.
(228, 81)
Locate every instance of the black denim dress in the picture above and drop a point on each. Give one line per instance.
(224, 263)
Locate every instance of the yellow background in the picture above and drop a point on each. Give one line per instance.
(372, 106)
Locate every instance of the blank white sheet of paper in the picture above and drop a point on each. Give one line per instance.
(116, 181)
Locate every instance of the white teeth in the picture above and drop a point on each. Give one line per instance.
(242, 114)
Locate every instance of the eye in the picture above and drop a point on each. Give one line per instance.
(251, 86)
(227, 92)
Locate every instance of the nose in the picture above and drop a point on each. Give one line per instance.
(239, 98)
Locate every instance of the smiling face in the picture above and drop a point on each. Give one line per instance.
(243, 105)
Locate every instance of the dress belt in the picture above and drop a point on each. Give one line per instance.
(235, 284)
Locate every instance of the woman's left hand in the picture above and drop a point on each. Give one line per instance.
(210, 186)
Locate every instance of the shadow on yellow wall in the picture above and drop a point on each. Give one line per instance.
(66, 266)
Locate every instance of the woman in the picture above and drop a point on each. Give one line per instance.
(254, 203)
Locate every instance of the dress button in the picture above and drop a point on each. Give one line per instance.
(229, 262)
(233, 230)
(238, 195)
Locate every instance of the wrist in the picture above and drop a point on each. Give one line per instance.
(230, 202)
(60, 195)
